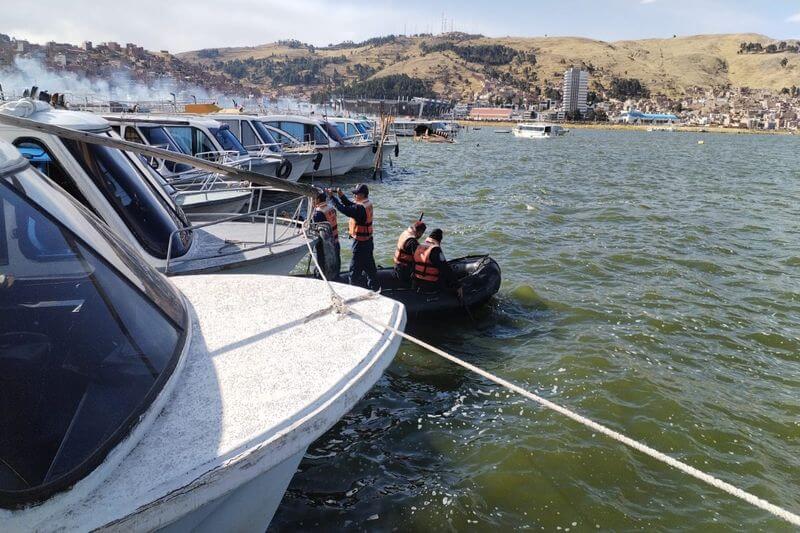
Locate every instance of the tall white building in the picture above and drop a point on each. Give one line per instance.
(576, 89)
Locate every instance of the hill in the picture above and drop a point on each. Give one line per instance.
(461, 66)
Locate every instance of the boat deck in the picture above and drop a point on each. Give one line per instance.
(263, 377)
(240, 246)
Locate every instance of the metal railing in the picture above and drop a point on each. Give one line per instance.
(270, 216)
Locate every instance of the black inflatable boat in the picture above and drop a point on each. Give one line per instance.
(479, 277)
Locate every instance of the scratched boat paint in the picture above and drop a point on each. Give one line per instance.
(650, 283)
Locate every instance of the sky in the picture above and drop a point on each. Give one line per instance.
(181, 25)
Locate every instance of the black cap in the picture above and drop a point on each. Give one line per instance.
(361, 188)
(436, 235)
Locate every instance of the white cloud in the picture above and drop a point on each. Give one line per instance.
(793, 18)
(648, 2)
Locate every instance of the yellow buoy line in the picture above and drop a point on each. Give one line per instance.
(340, 306)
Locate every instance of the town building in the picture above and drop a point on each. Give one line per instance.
(637, 117)
(575, 91)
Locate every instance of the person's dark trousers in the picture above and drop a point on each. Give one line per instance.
(403, 274)
(362, 265)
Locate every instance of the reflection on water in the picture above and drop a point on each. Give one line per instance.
(650, 283)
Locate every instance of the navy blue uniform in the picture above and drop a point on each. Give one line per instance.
(362, 264)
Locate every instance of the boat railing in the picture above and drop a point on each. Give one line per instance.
(224, 157)
(271, 216)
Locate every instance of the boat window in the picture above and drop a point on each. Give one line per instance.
(360, 127)
(143, 211)
(270, 137)
(183, 137)
(83, 352)
(133, 136)
(295, 129)
(202, 143)
(249, 137)
(42, 159)
(234, 126)
(158, 136)
(333, 133)
(226, 139)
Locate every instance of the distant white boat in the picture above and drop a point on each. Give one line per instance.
(538, 130)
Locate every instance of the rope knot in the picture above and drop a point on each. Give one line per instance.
(338, 304)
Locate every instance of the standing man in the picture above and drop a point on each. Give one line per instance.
(324, 212)
(404, 254)
(431, 270)
(362, 265)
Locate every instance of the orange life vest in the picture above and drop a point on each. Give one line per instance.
(362, 232)
(401, 257)
(423, 268)
(330, 216)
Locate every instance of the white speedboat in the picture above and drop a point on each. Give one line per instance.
(356, 131)
(259, 141)
(201, 137)
(130, 402)
(338, 155)
(536, 130)
(126, 194)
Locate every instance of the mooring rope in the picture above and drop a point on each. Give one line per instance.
(724, 486)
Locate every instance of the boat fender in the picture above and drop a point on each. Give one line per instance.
(397, 150)
(374, 147)
(284, 169)
(317, 160)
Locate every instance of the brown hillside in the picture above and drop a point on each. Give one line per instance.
(667, 66)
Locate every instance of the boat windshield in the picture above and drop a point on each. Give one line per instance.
(146, 214)
(89, 335)
(360, 127)
(227, 140)
(333, 132)
(341, 128)
(266, 135)
(158, 136)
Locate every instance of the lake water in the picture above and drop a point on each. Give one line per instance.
(649, 282)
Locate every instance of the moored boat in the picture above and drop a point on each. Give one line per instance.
(128, 196)
(129, 402)
(537, 130)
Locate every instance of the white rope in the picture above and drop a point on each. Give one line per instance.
(752, 499)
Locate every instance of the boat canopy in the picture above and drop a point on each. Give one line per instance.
(89, 335)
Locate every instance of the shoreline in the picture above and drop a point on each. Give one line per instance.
(628, 127)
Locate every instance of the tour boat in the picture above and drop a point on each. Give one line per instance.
(260, 140)
(133, 402)
(339, 156)
(125, 193)
(536, 130)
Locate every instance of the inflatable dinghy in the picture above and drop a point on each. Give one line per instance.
(479, 277)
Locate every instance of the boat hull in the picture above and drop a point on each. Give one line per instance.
(338, 160)
(301, 163)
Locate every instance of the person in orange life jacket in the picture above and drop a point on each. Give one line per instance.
(404, 253)
(431, 270)
(362, 264)
(324, 212)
